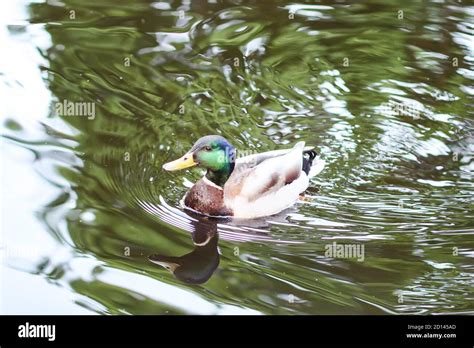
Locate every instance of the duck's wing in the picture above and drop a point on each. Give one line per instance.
(256, 159)
(264, 174)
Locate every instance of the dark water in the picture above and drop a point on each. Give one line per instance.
(383, 89)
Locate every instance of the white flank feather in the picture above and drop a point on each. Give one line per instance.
(317, 167)
(277, 199)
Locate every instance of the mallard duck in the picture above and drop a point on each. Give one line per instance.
(248, 187)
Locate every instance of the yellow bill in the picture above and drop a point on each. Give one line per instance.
(181, 163)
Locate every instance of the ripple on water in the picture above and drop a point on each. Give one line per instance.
(389, 114)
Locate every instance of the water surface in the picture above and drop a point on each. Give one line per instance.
(382, 89)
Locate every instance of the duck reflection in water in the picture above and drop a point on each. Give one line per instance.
(197, 266)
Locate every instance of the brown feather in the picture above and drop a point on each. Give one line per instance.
(207, 199)
(292, 175)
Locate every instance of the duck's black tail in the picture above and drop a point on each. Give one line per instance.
(308, 157)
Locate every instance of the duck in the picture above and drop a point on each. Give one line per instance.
(246, 187)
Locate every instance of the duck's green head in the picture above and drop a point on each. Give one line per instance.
(212, 152)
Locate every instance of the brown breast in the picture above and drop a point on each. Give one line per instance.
(207, 199)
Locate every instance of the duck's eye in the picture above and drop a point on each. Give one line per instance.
(207, 148)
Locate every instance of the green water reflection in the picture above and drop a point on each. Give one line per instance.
(385, 96)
